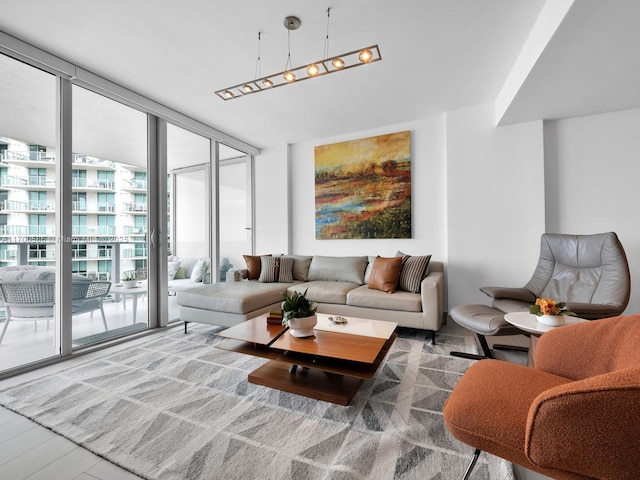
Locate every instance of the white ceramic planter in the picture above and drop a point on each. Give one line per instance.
(129, 283)
(551, 320)
(302, 327)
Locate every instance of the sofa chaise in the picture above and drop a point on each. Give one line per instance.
(339, 285)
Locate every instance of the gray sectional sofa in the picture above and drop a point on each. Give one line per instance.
(339, 285)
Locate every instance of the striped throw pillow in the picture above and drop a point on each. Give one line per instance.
(414, 269)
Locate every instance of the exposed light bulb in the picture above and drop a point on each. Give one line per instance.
(337, 63)
(365, 55)
(313, 70)
(267, 83)
(228, 94)
(289, 76)
(247, 88)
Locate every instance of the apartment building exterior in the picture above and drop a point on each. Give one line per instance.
(109, 207)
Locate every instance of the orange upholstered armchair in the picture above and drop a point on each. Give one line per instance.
(576, 415)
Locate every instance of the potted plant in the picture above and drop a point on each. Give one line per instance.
(299, 314)
(129, 279)
(549, 312)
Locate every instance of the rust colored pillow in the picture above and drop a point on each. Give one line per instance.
(254, 265)
(385, 273)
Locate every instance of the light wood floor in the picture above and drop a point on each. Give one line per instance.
(31, 452)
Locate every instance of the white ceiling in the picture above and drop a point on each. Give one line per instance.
(438, 55)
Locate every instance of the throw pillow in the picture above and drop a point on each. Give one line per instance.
(199, 270)
(286, 270)
(172, 269)
(269, 269)
(253, 266)
(414, 269)
(385, 273)
(180, 274)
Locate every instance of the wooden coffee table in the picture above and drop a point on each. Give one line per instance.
(329, 366)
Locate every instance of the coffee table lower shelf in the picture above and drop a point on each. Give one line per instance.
(309, 382)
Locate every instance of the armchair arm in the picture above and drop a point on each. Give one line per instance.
(588, 427)
(521, 294)
(593, 311)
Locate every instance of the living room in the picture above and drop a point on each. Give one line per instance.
(557, 152)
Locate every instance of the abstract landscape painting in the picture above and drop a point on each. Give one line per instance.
(363, 188)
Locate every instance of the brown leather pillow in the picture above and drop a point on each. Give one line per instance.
(254, 265)
(385, 273)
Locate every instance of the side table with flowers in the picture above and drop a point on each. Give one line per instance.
(550, 312)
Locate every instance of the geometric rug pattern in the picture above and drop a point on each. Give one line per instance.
(175, 408)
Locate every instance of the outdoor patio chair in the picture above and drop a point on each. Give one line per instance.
(36, 300)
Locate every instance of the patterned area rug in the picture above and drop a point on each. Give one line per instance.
(175, 407)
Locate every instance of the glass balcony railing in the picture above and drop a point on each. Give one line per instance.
(93, 207)
(135, 183)
(17, 206)
(135, 207)
(129, 230)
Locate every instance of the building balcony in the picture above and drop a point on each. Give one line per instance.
(135, 208)
(93, 207)
(134, 185)
(14, 206)
(36, 159)
(134, 231)
(27, 159)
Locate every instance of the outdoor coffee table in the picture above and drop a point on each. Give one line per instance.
(329, 366)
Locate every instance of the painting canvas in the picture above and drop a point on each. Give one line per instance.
(363, 188)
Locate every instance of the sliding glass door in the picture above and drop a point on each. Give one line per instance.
(110, 238)
(235, 212)
(27, 205)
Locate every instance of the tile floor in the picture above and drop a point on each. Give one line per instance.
(31, 452)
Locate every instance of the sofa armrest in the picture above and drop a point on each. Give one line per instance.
(589, 427)
(521, 294)
(432, 299)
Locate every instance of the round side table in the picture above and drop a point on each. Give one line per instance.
(527, 323)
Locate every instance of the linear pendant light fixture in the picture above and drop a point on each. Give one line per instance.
(289, 75)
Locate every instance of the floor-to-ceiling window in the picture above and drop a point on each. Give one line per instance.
(235, 212)
(28, 137)
(105, 189)
(110, 152)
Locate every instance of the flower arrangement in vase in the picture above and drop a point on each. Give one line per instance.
(550, 312)
(299, 314)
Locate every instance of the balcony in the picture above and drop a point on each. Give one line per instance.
(27, 159)
(84, 184)
(134, 231)
(135, 208)
(14, 206)
(135, 185)
(93, 207)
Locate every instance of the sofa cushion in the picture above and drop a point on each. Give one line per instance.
(29, 273)
(338, 269)
(300, 266)
(401, 301)
(414, 269)
(385, 273)
(234, 297)
(322, 291)
(254, 265)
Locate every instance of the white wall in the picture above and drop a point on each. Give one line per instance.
(428, 196)
(482, 195)
(592, 172)
(495, 203)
